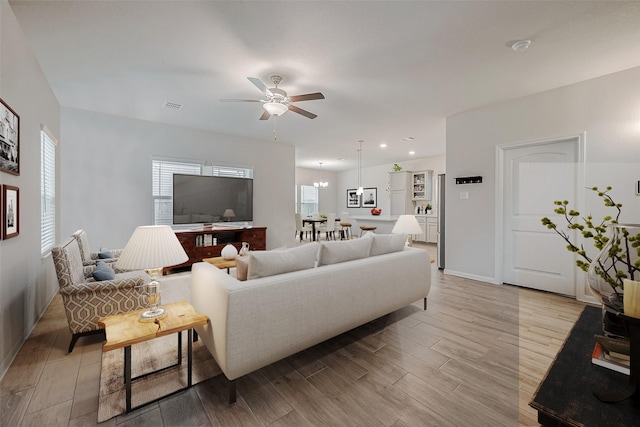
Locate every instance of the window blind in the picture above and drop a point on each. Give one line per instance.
(47, 192)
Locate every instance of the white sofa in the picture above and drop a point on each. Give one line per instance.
(257, 322)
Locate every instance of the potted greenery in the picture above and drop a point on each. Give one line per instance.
(619, 250)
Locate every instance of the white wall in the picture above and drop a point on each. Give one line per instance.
(106, 174)
(607, 109)
(326, 196)
(27, 282)
(378, 176)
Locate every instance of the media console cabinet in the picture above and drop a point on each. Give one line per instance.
(208, 242)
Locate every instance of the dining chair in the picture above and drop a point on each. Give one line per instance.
(329, 227)
(301, 229)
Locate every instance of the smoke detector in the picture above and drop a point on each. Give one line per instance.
(521, 45)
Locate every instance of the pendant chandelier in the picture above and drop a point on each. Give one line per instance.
(321, 184)
(360, 190)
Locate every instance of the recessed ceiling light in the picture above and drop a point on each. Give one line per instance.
(383, 145)
(340, 158)
(520, 45)
(412, 152)
(408, 138)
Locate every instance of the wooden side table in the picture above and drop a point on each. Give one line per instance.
(125, 329)
(221, 263)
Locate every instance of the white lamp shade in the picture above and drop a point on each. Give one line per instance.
(151, 246)
(407, 224)
(229, 213)
(275, 108)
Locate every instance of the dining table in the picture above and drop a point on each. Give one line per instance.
(313, 222)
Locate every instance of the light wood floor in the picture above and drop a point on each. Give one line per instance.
(475, 357)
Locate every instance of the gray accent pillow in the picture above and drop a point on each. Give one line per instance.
(103, 271)
(270, 263)
(387, 243)
(344, 250)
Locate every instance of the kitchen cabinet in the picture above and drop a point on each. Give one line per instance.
(432, 230)
(421, 185)
(422, 222)
(399, 189)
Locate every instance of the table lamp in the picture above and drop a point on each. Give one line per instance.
(407, 224)
(229, 213)
(150, 248)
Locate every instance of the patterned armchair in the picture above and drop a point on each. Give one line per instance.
(86, 300)
(89, 259)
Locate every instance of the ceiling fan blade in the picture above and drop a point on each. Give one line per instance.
(265, 116)
(240, 100)
(303, 112)
(306, 97)
(258, 83)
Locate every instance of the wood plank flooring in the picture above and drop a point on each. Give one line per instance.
(475, 357)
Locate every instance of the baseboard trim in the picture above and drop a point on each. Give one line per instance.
(464, 275)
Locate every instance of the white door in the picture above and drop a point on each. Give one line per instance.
(535, 176)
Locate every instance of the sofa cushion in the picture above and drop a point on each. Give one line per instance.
(387, 243)
(344, 250)
(103, 271)
(270, 263)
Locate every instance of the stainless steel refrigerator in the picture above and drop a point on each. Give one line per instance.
(441, 208)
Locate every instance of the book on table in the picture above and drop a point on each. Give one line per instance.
(601, 358)
(616, 348)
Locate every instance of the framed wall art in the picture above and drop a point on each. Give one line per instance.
(10, 211)
(1, 210)
(370, 197)
(353, 200)
(9, 140)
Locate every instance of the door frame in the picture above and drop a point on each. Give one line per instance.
(582, 293)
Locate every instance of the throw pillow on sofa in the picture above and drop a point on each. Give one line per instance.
(270, 263)
(344, 250)
(387, 243)
(242, 267)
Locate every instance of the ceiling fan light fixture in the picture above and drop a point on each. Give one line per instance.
(275, 108)
(520, 45)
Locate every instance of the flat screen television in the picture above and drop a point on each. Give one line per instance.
(205, 199)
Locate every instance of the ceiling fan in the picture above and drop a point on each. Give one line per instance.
(276, 102)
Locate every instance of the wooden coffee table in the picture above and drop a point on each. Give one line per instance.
(125, 329)
(221, 262)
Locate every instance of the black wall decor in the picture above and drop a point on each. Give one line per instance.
(469, 180)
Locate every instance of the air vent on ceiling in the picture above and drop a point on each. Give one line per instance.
(172, 105)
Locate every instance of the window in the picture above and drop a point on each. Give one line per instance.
(47, 191)
(308, 199)
(162, 181)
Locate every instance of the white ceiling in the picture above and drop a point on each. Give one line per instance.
(389, 69)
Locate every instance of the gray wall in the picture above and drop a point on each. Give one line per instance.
(106, 174)
(607, 109)
(26, 281)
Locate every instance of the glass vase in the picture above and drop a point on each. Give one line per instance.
(618, 260)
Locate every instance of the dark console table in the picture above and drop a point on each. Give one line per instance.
(198, 244)
(566, 396)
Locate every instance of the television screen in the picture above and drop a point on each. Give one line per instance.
(207, 199)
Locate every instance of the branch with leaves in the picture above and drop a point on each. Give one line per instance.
(619, 251)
